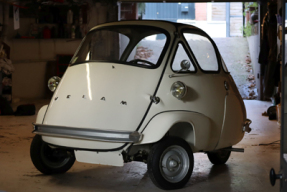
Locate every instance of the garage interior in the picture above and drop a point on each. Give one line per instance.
(38, 50)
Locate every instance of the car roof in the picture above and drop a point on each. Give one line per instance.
(167, 25)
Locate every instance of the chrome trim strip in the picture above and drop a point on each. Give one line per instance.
(87, 134)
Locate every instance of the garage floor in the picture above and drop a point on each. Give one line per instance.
(244, 172)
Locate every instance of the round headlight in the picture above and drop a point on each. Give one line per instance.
(53, 83)
(178, 89)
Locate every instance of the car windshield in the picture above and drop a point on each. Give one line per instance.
(132, 45)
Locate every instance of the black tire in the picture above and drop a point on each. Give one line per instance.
(50, 160)
(176, 154)
(218, 157)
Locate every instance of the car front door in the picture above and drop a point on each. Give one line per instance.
(206, 92)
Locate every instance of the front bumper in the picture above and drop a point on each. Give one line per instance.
(87, 134)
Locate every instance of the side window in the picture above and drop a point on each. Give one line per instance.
(203, 51)
(179, 56)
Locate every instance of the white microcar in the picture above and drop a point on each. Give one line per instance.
(150, 91)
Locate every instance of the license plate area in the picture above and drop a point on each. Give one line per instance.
(113, 158)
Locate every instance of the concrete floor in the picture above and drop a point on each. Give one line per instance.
(244, 172)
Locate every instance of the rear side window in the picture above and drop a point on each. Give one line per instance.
(203, 51)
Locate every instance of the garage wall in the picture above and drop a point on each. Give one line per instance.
(31, 56)
(27, 50)
(29, 80)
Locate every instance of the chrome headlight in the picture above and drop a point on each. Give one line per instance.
(178, 89)
(53, 83)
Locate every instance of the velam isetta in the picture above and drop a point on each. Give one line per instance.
(149, 91)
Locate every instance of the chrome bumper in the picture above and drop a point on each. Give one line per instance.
(87, 134)
(246, 125)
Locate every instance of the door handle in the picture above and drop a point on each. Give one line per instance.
(226, 86)
(155, 99)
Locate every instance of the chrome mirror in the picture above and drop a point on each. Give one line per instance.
(185, 65)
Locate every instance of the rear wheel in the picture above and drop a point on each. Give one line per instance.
(170, 163)
(219, 157)
(50, 160)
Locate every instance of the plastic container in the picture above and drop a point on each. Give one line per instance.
(278, 111)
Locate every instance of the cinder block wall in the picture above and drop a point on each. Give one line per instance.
(30, 56)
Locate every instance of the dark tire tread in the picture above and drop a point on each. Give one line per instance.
(216, 159)
(35, 151)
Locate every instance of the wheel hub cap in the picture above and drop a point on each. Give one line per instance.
(174, 163)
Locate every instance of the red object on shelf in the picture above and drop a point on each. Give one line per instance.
(46, 33)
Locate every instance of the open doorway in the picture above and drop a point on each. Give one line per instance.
(233, 29)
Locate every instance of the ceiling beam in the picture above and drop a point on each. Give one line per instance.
(195, 1)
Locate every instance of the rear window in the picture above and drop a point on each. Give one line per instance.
(203, 51)
(131, 45)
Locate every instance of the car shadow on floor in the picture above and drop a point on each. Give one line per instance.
(217, 170)
(105, 178)
(217, 178)
(131, 177)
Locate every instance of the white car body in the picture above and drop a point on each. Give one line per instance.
(106, 104)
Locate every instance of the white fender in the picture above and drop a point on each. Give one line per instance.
(41, 114)
(195, 129)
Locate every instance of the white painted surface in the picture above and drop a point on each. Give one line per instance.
(200, 126)
(80, 143)
(87, 83)
(41, 114)
(93, 81)
(206, 95)
(254, 48)
(114, 158)
(209, 11)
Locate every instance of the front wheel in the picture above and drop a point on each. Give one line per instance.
(170, 163)
(50, 160)
(219, 157)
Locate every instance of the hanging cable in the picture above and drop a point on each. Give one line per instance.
(274, 142)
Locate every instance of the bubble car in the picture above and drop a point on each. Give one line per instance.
(149, 91)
